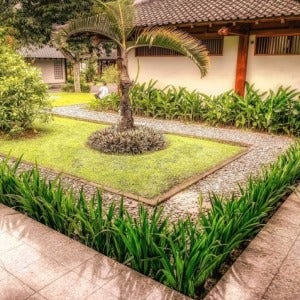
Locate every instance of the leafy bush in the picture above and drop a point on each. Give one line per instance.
(110, 74)
(219, 110)
(110, 103)
(182, 255)
(136, 141)
(275, 112)
(169, 103)
(23, 94)
(69, 87)
(91, 71)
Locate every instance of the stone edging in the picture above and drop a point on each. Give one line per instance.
(267, 269)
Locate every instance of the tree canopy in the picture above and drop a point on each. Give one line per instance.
(32, 20)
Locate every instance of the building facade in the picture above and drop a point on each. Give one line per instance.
(255, 41)
(49, 61)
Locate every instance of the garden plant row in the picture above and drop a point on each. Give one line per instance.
(276, 112)
(181, 255)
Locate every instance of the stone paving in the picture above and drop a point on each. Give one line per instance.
(269, 268)
(38, 263)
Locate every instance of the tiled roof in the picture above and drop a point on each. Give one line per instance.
(164, 12)
(44, 52)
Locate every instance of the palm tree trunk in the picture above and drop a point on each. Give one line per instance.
(125, 119)
(76, 72)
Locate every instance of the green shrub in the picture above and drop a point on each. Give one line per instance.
(69, 87)
(182, 254)
(169, 103)
(219, 110)
(23, 94)
(91, 71)
(110, 103)
(110, 74)
(135, 141)
(275, 112)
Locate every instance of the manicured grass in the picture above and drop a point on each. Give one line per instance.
(61, 145)
(65, 99)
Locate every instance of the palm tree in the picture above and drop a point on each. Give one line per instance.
(116, 21)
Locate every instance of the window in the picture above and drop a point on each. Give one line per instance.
(277, 45)
(155, 51)
(214, 46)
(58, 69)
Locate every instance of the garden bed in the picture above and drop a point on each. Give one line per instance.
(61, 146)
(182, 254)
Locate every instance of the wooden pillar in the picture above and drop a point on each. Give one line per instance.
(66, 69)
(241, 65)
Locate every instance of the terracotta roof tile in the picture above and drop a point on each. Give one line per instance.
(164, 12)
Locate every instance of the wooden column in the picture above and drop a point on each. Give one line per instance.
(241, 65)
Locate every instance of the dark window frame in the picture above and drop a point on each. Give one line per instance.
(274, 45)
(58, 69)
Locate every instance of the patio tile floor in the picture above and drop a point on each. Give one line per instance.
(38, 263)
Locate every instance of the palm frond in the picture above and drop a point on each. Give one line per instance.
(99, 24)
(121, 13)
(178, 41)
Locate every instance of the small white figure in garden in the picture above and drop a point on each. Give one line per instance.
(103, 91)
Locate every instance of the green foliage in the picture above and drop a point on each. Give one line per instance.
(33, 20)
(169, 103)
(110, 103)
(111, 75)
(273, 111)
(139, 140)
(69, 87)
(23, 94)
(90, 71)
(181, 255)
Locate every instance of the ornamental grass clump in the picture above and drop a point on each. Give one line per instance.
(139, 140)
(181, 254)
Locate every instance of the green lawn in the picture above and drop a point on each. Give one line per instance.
(61, 145)
(64, 99)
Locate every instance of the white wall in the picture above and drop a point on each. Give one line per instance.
(180, 71)
(47, 68)
(271, 71)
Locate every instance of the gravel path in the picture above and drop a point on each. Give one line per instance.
(264, 149)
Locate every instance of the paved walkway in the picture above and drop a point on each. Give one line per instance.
(269, 268)
(37, 263)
